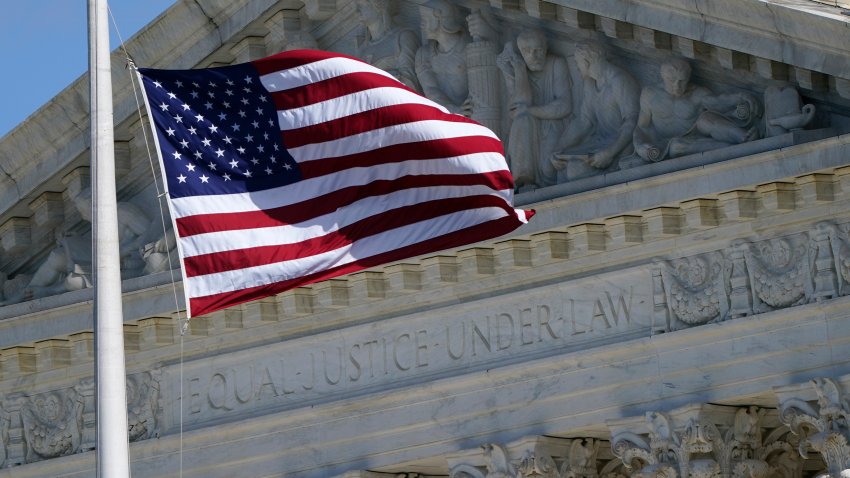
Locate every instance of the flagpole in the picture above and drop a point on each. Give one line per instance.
(112, 441)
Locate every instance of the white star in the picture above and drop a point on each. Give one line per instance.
(181, 178)
(172, 95)
(228, 92)
(255, 160)
(204, 178)
(227, 139)
(219, 152)
(248, 80)
(268, 170)
(170, 131)
(212, 85)
(186, 107)
(273, 159)
(226, 104)
(195, 84)
(199, 117)
(271, 122)
(164, 106)
(241, 150)
(206, 142)
(230, 82)
(194, 94)
(213, 128)
(198, 155)
(208, 105)
(262, 99)
(212, 166)
(244, 101)
(255, 124)
(265, 136)
(260, 148)
(179, 83)
(177, 155)
(233, 164)
(184, 143)
(222, 116)
(246, 89)
(259, 111)
(275, 147)
(249, 138)
(193, 130)
(235, 127)
(287, 166)
(241, 114)
(158, 84)
(247, 173)
(178, 119)
(191, 167)
(226, 177)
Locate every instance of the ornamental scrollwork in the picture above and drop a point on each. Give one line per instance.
(696, 293)
(143, 405)
(53, 423)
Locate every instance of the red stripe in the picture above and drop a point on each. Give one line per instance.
(367, 227)
(366, 121)
(333, 88)
(420, 150)
(481, 232)
(295, 58)
(300, 212)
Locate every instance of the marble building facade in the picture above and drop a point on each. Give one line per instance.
(678, 307)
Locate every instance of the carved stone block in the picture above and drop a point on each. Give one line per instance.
(259, 312)
(367, 285)
(507, 4)
(816, 188)
(739, 205)
(811, 80)
(576, 18)
(248, 48)
(700, 213)
(158, 331)
(541, 9)
(122, 158)
(320, 9)
(663, 222)
(772, 70)
(82, 347)
(513, 254)
(731, 59)
(298, 301)
(616, 28)
(653, 38)
(75, 181)
(777, 197)
(693, 49)
(475, 263)
(281, 25)
(332, 293)
(842, 181)
(48, 210)
(549, 246)
(18, 360)
(587, 238)
(52, 354)
(437, 270)
(15, 235)
(403, 278)
(624, 230)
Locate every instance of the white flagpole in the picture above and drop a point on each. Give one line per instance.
(112, 441)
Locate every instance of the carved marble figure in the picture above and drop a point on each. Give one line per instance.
(784, 110)
(441, 60)
(538, 85)
(387, 46)
(602, 131)
(683, 118)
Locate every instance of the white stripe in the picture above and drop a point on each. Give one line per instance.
(348, 105)
(317, 71)
(328, 223)
(427, 130)
(229, 281)
(477, 163)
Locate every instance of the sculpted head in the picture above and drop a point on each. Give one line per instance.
(440, 16)
(589, 58)
(533, 48)
(676, 74)
(373, 11)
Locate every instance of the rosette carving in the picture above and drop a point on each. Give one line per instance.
(696, 294)
(53, 423)
(142, 405)
(779, 271)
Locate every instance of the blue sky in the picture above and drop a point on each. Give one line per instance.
(44, 48)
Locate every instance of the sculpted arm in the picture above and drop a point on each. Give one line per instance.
(630, 111)
(562, 105)
(642, 138)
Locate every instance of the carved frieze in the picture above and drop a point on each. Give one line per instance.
(53, 423)
(143, 405)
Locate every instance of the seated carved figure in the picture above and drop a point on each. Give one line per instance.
(683, 118)
(441, 61)
(602, 131)
(388, 47)
(539, 88)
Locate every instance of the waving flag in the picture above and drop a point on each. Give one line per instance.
(307, 165)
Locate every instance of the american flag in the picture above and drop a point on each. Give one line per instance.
(307, 165)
